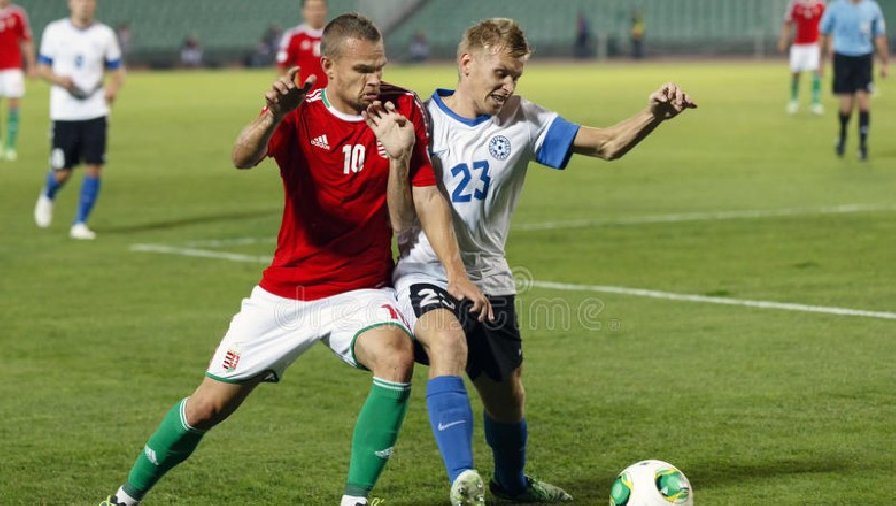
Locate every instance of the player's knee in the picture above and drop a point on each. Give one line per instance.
(204, 411)
(451, 343)
(393, 357)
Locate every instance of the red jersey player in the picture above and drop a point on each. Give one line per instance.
(805, 51)
(15, 43)
(300, 46)
(329, 281)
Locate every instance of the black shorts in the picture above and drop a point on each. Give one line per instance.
(494, 348)
(853, 74)
(76, 141)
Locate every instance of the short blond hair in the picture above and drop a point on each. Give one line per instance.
(495, 34)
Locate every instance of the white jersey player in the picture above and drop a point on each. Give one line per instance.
(75, 56)
(483, 138)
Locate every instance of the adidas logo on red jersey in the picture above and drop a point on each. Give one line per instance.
(321, 142)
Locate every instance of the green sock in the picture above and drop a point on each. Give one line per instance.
(816, 89)
(375, 434)
(12, 128)
(794, 88)
(170, 445)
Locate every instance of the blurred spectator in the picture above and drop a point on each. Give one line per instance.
(191, 52)
(636, 34)
(266, 48)
(123, 33)
(419, 49)
(272, 36)
(582, 47)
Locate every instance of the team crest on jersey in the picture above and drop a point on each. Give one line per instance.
(231, 360)
(499, 147)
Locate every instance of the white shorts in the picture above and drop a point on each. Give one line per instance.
(270, 332)
(805, 57)
(12, 83)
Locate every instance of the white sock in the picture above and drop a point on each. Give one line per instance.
(352, 500)
(122, 497)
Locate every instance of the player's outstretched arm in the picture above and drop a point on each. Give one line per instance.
(434, 212)
(396, 134)
(613, 142)
(284, 96)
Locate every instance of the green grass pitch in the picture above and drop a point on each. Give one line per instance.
(756, 406)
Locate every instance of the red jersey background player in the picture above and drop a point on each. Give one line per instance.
(300, 45)
(15, 43)
(805, 51)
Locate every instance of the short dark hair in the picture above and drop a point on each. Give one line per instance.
(347, 26)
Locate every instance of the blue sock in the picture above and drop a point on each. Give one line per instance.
(52, 186)
(451, 419)
(90, 189)
(508, 442)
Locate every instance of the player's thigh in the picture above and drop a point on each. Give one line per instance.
(496, 347)
(814, 58)
(804, 58)
(369, 313)
(436, 322)
(93, 141)
(12, 83)
(503, 399)
(864, 78)
(65, 144)
(796, 59)
(264, 338)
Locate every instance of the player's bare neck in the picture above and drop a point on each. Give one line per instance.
(340, 105)
(461, 104)
(81, 23)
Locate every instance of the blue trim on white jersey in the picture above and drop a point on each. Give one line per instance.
(443, 92)
(113, 64)
(44, 60)
(557, 146)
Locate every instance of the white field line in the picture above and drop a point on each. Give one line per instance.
(199, 253)
(553, 285)
(706, 216)
(758, 304)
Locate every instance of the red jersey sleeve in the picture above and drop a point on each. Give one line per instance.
(422, 173)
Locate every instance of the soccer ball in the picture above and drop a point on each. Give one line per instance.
(651, 483)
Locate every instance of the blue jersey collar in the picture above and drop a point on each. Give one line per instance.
(443, 92)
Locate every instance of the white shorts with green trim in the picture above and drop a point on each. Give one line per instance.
(12, 83)
(270, 332)
(805, 57)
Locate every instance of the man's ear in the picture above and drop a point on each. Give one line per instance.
(465, 63)
(327, 64)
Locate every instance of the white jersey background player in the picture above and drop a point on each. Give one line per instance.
(483, 138)
(76, 54)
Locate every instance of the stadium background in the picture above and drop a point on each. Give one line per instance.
(229, 29)
(636, 277)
